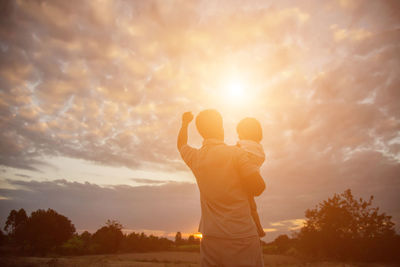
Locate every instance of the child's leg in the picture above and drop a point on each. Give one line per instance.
(256, 218)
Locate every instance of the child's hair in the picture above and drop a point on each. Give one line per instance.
(249, 129)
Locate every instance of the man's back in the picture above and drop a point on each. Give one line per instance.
(229, 233)
(218, 169)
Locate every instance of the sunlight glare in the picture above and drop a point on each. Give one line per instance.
(235, 91)
(198, 235)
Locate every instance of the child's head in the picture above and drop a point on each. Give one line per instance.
(249, 129)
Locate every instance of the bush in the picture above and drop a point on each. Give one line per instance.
(344, 228)
(74, 246)
(135, 242)
(108, 238)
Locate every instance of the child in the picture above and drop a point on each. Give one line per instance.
(250, 134)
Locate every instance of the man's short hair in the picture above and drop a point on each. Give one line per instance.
(209, 123)
(249, 129)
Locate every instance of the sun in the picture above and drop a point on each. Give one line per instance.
(235, 91)
(198, 235)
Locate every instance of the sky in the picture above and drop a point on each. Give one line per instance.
(92, 92)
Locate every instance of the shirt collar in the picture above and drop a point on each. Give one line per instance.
(212, 141)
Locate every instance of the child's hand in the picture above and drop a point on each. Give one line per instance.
(187, 117)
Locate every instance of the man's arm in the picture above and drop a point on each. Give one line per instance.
(187, 117)
(254, 184)
(250, 174)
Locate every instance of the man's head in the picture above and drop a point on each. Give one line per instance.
(209, 124)
(249, 129)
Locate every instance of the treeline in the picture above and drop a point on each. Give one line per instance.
(342, 228)
(48, 232)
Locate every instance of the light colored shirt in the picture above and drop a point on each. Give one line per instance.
(219, 170)
(255, 150)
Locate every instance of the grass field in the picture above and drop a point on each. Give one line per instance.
(157, 259)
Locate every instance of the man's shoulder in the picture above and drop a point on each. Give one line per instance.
(223, 150)
(235, 150)
(186, 147)
(232, 148)
(188, 153)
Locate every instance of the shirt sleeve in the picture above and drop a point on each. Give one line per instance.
(188, 154)
(245, 165)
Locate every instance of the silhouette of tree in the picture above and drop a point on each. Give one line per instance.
(178, 238)
(108, 238)
(16, 225)
(114, 224)
(73, 246)
(343, 227)
(46, 229)
(135, 242)
(3, 238)
(193, 241)
(282, 243)
(86, 237)
(14, 220)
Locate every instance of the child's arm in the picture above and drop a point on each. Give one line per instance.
(255, 184)
(187, 117)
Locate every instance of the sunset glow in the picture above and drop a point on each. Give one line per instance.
(198, 235)
(92, 94)
(236, 91)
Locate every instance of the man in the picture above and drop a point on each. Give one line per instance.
(225, 177)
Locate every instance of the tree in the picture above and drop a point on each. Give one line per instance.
(178, 238)
(343, 227)
(73, 246)
(46, 230)
(135, 242)
(16, 225)
(282, 243)
(108, 238)
(86, 237)
(14, 220)
(3, 238)
(193, 240)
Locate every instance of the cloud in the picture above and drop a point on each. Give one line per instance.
(170, 207)
(71, 90)
(106, 83)
(23, 175)
(148, 181)
(164, 209)
(293, 224)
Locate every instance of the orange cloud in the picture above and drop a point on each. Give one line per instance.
(107, 82)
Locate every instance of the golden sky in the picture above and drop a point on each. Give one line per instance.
(91, 94)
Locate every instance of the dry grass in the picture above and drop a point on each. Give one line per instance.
(157, 259)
